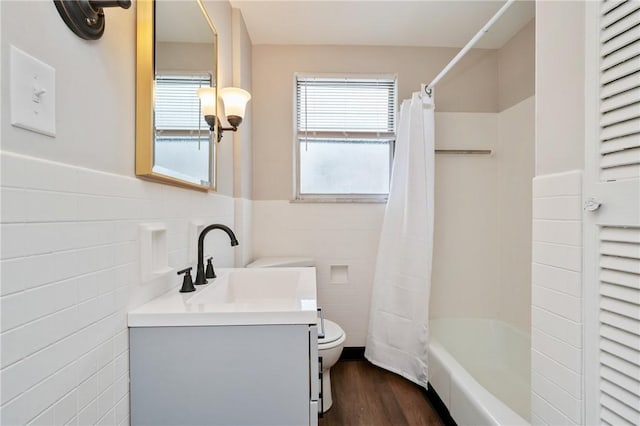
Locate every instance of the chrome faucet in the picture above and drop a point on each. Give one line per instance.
(200, 278)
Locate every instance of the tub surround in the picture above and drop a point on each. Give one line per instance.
(480, 370)
(483, 217)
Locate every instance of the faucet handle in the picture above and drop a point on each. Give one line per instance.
(187, 282)
(210, 273)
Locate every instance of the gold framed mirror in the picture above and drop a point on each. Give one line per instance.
(176, 54)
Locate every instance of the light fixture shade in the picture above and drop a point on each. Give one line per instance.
(235, 101)
(208, 100)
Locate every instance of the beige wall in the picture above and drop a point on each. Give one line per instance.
(243, 139)
(484, 81)
(96, 132)
(242, 143)
(220, 13)
(559, 86)
(471, 86)
(95, 87)
(516, 67)
(174, 56)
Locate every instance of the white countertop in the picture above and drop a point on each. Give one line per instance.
(238, 296)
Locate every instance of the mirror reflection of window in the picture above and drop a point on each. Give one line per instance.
(182, 136)
(176, 55)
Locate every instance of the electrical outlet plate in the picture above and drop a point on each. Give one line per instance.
(33, 93)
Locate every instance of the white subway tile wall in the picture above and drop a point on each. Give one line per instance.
(69, 273)
(243, 220)
(556, 314)
(332, 234)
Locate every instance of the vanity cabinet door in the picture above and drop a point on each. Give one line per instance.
(220, 375)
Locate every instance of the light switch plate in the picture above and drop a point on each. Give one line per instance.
(33, 93)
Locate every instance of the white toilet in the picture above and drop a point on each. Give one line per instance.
(330, 346)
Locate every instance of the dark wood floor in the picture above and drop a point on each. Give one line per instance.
(366, 395)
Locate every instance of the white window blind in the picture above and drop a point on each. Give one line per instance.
(345, 131)
(346, 104)
(177, 106)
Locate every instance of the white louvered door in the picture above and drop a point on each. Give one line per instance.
(612, 229)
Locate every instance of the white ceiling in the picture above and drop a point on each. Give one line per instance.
(442, 23)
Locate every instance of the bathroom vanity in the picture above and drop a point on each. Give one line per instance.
(241, 350)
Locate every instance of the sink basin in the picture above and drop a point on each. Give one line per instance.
(238, 296)
(257, 287)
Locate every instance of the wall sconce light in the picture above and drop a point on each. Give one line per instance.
(235, 103)
(86, 17)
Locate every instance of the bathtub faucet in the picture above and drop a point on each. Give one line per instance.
(200, 278)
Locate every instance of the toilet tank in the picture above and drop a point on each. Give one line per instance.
(281, 262)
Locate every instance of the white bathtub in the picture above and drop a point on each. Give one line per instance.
(481, 370)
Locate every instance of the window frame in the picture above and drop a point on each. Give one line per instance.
(297, 196)
(203, 128)
(200, 135)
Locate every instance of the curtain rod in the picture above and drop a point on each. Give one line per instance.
(427, 89)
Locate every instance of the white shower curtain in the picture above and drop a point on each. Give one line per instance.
(399, 315)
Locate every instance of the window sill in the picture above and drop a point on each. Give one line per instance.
(340, 200)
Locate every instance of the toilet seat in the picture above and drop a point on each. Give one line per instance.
(332, 334)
